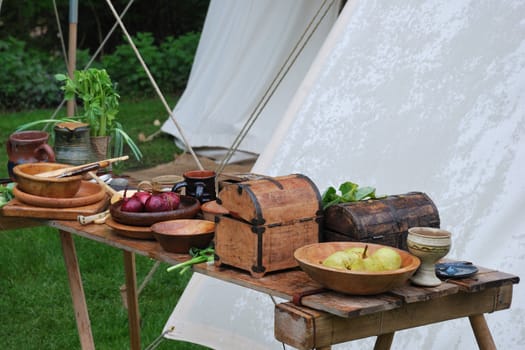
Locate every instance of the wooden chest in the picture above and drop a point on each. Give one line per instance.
(269, 219)
(382, 221)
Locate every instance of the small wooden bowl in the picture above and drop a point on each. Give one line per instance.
(211, 209)
(188, 208)
(27, 181)
(310, 258)
(178, 236)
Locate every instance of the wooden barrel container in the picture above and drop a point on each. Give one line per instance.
(382, 221)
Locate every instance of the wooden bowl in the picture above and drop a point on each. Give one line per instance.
(28, 182)
(310, 258)
(188, 208)
(211, 209)
(178, 236)
(88, 193)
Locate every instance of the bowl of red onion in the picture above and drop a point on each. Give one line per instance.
(144, 208)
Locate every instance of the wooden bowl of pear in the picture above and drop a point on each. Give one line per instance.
(311, 257)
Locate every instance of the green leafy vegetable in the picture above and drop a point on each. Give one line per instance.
(350, 192)
(6, 193)
(198, 256)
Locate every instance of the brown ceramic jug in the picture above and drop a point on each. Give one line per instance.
(28, 147)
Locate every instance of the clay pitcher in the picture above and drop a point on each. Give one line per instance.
(28, 147)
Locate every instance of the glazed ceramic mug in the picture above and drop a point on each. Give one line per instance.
(199, 184)
(28, 147)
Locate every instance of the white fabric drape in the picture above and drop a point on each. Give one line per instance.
(243, 45)
(409, 95)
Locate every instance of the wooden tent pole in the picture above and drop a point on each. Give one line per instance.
(72, 49)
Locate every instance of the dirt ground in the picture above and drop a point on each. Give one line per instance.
(185, 162)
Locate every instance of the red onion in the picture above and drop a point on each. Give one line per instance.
(132, 204)
(157, 202)
(174, 199)
(142, 196)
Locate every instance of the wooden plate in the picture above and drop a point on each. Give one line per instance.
(87, 194)
(139, 232)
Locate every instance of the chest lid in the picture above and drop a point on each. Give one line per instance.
(271, 200)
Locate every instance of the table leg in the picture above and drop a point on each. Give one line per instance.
(482, 332)
(384, 341)
(132, 300)
(77, 291)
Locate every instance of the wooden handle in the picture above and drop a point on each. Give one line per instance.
(101, 182)
(101, 164)
(85, 169)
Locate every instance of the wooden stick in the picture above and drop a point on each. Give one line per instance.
(101, 182)
(102, 164)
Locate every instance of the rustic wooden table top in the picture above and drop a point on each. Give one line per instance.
(294, 284)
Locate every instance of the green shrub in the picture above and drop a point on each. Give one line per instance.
(177, 57)
(169, 63)
(27, 76)
(125, 68)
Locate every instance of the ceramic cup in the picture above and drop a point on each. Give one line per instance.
(429, 245)
(199, 184)
(28, 147)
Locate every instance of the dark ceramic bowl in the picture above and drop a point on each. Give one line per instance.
(188, 208)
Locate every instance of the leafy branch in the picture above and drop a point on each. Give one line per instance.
(6, 193)
(350, 192)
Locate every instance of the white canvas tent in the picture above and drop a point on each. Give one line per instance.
(404, 95)
(244, 46)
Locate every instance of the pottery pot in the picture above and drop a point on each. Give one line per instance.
(28, 147)
(72, 145)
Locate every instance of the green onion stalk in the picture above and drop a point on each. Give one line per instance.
(198, 256)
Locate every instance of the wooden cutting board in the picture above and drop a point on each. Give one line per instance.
(17, 208)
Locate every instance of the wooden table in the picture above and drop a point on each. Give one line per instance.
(313, 317)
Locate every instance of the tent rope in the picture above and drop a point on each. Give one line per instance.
(157, 341)
(60, 33)
(155, 86)
(284, 69)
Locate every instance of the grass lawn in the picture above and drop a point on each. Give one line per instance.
(35, 303)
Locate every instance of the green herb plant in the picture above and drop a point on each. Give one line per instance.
(349, 192)
(100, 102)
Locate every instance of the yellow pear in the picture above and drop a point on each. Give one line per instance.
(357, 264)
(339, 260)
(372, 264)
(358, 250)
(388, 257)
